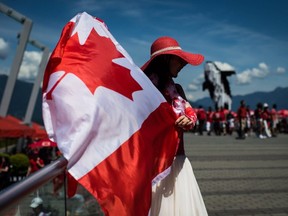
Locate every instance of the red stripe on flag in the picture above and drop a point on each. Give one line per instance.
(122, 182)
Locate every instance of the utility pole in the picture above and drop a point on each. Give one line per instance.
(24, 36)
(38, 80)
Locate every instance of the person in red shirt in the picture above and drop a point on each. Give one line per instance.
(201, 116)
(275, 120)
(209, 120)
(216, 122)
(259, 121)
(248, 121)
(242, 118)
(223, 120)
(266, 116)
(35, 163)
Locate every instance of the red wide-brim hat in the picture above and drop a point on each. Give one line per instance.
(168, 45)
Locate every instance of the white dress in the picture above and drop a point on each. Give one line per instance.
(178, 194)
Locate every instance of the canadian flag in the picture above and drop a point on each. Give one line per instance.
(112, 125)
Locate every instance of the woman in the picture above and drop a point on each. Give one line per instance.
(178, 193)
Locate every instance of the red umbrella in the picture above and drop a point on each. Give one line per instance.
(13, 127)
(43, 143)
(28, 131)
(40, 131)
(9, 129)
(283, 113)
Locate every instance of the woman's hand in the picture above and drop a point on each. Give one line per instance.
(184, 122)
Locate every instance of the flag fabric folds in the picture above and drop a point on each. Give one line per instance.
(112, 125)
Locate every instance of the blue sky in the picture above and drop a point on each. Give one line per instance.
(250, 36)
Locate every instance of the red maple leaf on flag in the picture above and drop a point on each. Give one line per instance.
(91, 62)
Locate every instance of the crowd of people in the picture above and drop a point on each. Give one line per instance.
(38, 158)
(263, 121)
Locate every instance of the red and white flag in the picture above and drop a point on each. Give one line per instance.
(112, 125)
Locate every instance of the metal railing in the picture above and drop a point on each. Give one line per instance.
(17, 191)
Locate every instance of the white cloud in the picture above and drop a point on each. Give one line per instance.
(199, 80)
(30, 65)
(192, 87)
(4, 48)
(280, 70)
(189, 96)
(260, 72)
(4, 70)
(246, 76)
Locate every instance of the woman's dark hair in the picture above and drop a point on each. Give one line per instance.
(160, 66)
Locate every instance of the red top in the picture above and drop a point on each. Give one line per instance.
(242, 112)
(210, 115)
(222, 115)
(36, 164)
(217, 116)
(266, 115)
(33, 165)
(274, 114)
(201, 114)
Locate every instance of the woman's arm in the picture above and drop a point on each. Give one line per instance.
(188, 120)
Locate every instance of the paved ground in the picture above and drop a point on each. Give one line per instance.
(241, 177)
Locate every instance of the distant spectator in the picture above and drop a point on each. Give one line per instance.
(242, 119)
(230, 123)
(216, 122)
(46, 154)
(275, 120)
(209, 120)
(35, 163)
(259, 121)
(4, 173)
(37, 207)
(266, 116)
(201, 116)
(223, 120)
(248, 121)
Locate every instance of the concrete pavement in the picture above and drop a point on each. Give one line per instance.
(241, 177)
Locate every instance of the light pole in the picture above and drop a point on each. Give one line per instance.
(24, 35)
(38, 80)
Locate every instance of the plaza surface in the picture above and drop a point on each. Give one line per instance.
(241, 177)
